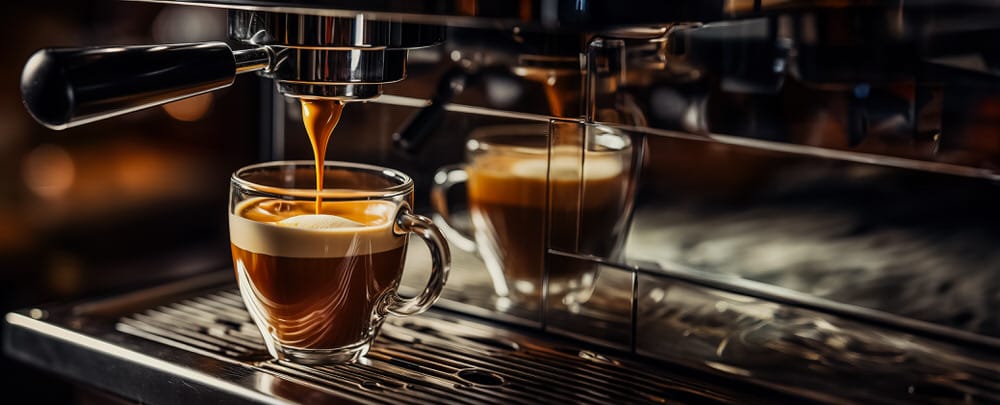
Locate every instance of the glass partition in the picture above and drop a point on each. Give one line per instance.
(789, 268)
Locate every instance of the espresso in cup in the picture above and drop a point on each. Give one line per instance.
(507, 200)
(319, 275)
(317, 278)
(525, 197)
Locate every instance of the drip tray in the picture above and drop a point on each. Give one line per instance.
(195, 341)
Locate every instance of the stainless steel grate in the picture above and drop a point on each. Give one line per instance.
(424, 359)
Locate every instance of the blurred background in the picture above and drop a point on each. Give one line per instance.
(788, 184)
(118, 204)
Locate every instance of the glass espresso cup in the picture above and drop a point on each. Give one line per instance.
(508, 174)
(319, 286)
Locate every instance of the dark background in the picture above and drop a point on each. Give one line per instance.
(119, 204)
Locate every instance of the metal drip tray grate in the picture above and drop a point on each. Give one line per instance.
(430, 358)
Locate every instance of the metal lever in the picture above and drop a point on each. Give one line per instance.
(66, 87)
(414, 133)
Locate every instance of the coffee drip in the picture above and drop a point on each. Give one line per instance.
(320, 117)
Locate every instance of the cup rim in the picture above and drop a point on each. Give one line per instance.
(405, 186)
(485, 138)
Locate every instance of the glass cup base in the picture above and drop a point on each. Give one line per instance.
(526, 296)
(341, 355)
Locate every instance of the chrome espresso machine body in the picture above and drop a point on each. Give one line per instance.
(808, 209)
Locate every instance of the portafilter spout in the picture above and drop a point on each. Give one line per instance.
(308, 56)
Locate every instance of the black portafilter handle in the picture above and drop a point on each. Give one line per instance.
(66, 87)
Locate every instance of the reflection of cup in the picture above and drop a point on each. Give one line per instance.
(509, 174)
(318, 285)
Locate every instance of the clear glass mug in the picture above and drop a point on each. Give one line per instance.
(508, 174)
(319, 286)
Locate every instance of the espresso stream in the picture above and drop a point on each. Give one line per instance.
(320, 117)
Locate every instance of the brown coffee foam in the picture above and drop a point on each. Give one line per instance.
(523, 180)
(254, 226)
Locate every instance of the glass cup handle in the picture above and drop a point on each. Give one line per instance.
(423, 227)
(444, 179)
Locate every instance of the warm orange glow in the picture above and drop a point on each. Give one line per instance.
(525, 10)
(140, 172)
(49, 171)
(190, 109)
(466, 7)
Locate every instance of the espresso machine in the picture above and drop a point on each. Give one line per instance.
(809, 212)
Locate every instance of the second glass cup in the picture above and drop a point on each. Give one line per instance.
(318, 285)
(525, 196)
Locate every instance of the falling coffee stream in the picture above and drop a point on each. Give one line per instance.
(553, 96)
(320, 118)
